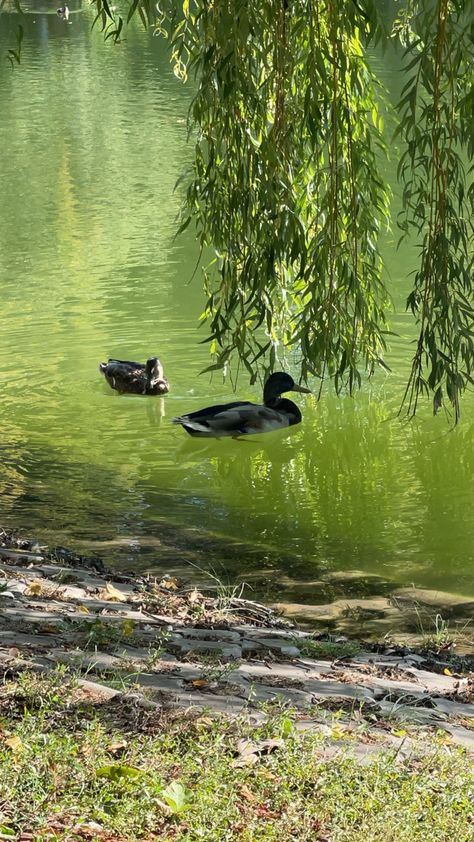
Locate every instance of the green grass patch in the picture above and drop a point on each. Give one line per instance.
(328, 649)
(73, 768)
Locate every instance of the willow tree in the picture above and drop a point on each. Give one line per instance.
(287, 186)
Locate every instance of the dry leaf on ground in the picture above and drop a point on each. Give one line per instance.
(13, 743)
(112, 593)
(250, 752)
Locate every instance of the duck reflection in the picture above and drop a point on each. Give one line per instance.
(245, 473)
(155, 411)
(276, 448)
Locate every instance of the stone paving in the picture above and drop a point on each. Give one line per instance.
(171, 646)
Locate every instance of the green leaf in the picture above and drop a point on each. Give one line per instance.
(119, 771)
(287, 727)
(175, 797)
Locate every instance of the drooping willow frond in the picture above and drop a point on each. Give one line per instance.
(287, 183)
(437, 127)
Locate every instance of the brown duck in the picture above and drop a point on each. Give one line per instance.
(136, 378)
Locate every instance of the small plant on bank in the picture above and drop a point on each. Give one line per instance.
(155, 653)
(213, 669)
(328, 649)
(225, 593)
(442, 637)
(96, 633)
(438, 637)
(32, 694)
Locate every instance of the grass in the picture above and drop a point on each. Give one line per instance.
(434, 631)
(438, 636)
(328, 649)
(72, 768)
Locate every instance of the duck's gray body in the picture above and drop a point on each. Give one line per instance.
(243, 418)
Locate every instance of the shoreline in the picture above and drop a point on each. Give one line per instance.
(415, 618)
(213, 651)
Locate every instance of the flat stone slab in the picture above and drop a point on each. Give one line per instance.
(14, 586)
(209, 634)
(228, 651)
(372, 606)
(410, 713)
(100, 690)
(363, 753)
(16, 663)
(20, 555)
(15, 639)
(133, 653)
(290, 635)
(163, 683)
(454, 708)
(277, 644)
(98, 661)
(223, 704)
(258, 693)
(72, 593)
(448, 602)
(338, 690)
(462, 736)
(398, 687)
(433, 681)
(122, 609)
(28, 615)
(278, 670)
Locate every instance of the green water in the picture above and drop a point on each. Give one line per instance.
(92, 140)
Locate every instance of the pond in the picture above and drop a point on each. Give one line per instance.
(352, 503)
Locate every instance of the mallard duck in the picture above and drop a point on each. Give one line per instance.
(136, 378)
(242, 418)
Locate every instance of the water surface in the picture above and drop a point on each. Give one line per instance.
(93, 139)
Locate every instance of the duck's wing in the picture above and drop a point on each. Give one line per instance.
(257, 418)
(123, 369)
(233, 419)
(125, 365)
(124, 376)
(210, 411)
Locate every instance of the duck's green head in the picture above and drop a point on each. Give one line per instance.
(278, 383)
